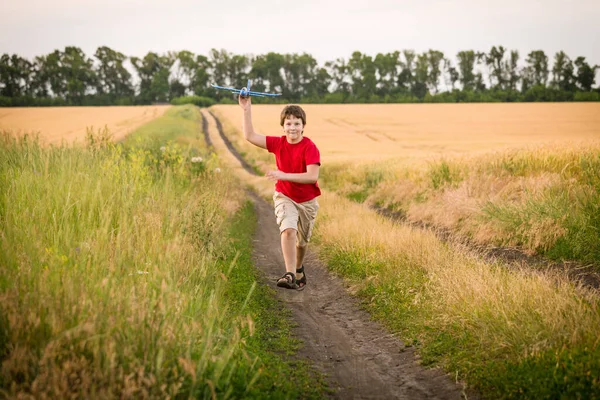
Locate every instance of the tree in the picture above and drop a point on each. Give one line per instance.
(238, 68)
(563, 77)
(53, 70)
(434, 58)
(585, 75)
(536, 71)
(79, 74)
(113, 79)
(218, 60)
(452, 73)
(362, 73)
(15, 73)
(419, 88)
(406, 79)
(154, 72)
(340, 76)
(466, 67)
(229, 69)
(495, 64)
(183, 71)
(300, 72)
(387, 69)
(200, 80)
(512, 70)
(40, 78)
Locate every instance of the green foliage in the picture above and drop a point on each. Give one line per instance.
(564, 373)
(195, 100)
(562, 221)
(444, 173)
(366, 180)
(69, 77)
(586, 96)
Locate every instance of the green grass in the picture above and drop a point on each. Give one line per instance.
(282, 374)
(122, 273)
(405, 301)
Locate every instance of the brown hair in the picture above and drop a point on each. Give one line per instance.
(293, 110)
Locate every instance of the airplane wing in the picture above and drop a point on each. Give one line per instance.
(261, 94)
(246, 92)
(226, 88)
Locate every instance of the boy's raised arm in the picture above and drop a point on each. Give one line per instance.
(249, 133)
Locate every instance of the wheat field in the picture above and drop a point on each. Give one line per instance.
(70, 124)
(425, 132)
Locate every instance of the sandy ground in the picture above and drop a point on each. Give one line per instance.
(424, 132)
(359, 357)
(69, 124)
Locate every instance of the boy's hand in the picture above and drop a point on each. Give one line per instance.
(275, 175)
(244, 102)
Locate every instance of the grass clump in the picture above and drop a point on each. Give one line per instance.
(118, 273)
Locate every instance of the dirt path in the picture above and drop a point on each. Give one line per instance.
(360, 359)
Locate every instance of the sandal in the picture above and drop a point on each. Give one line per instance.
(302, 281)
(288, 280)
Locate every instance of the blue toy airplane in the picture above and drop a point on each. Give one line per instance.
(245, 92)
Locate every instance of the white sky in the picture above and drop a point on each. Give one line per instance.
(326, 29)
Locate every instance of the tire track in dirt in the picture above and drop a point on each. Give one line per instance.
(585, 275)
(230, 147)
(207, 137)
(359, 357)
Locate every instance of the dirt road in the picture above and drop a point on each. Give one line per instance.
(360, 359)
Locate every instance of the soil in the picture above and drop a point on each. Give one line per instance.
(359, 357)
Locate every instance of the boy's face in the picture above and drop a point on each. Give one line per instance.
(293, 127)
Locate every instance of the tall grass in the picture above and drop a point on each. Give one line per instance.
(511, 334)
(544, 200)
(117, 268)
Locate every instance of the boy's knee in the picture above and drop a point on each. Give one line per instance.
(289, 233)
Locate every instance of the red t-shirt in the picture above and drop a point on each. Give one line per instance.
(293, 158)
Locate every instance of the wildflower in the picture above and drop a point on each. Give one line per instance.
(139, 273)
(196, 159)
(217, 170)
(163, 148)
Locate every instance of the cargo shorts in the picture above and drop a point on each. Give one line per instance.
(298, 216)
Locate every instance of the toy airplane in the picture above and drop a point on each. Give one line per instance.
(245, 92)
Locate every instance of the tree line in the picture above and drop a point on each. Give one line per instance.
(70, 77)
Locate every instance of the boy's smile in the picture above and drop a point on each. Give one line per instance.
(293, 127)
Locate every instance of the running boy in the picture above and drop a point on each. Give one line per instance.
(298, 161)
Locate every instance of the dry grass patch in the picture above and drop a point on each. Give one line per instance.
(475, 318)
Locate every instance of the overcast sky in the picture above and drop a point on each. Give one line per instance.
(326, 29)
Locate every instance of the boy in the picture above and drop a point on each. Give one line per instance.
(298, 161)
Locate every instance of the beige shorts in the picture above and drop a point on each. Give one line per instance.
(298, 216)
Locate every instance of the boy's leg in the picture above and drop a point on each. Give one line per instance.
(300, 253)
(295, 221)
(288, 247)
(307, 213)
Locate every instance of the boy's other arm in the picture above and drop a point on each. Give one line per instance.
(249, 133)
(310, 176)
